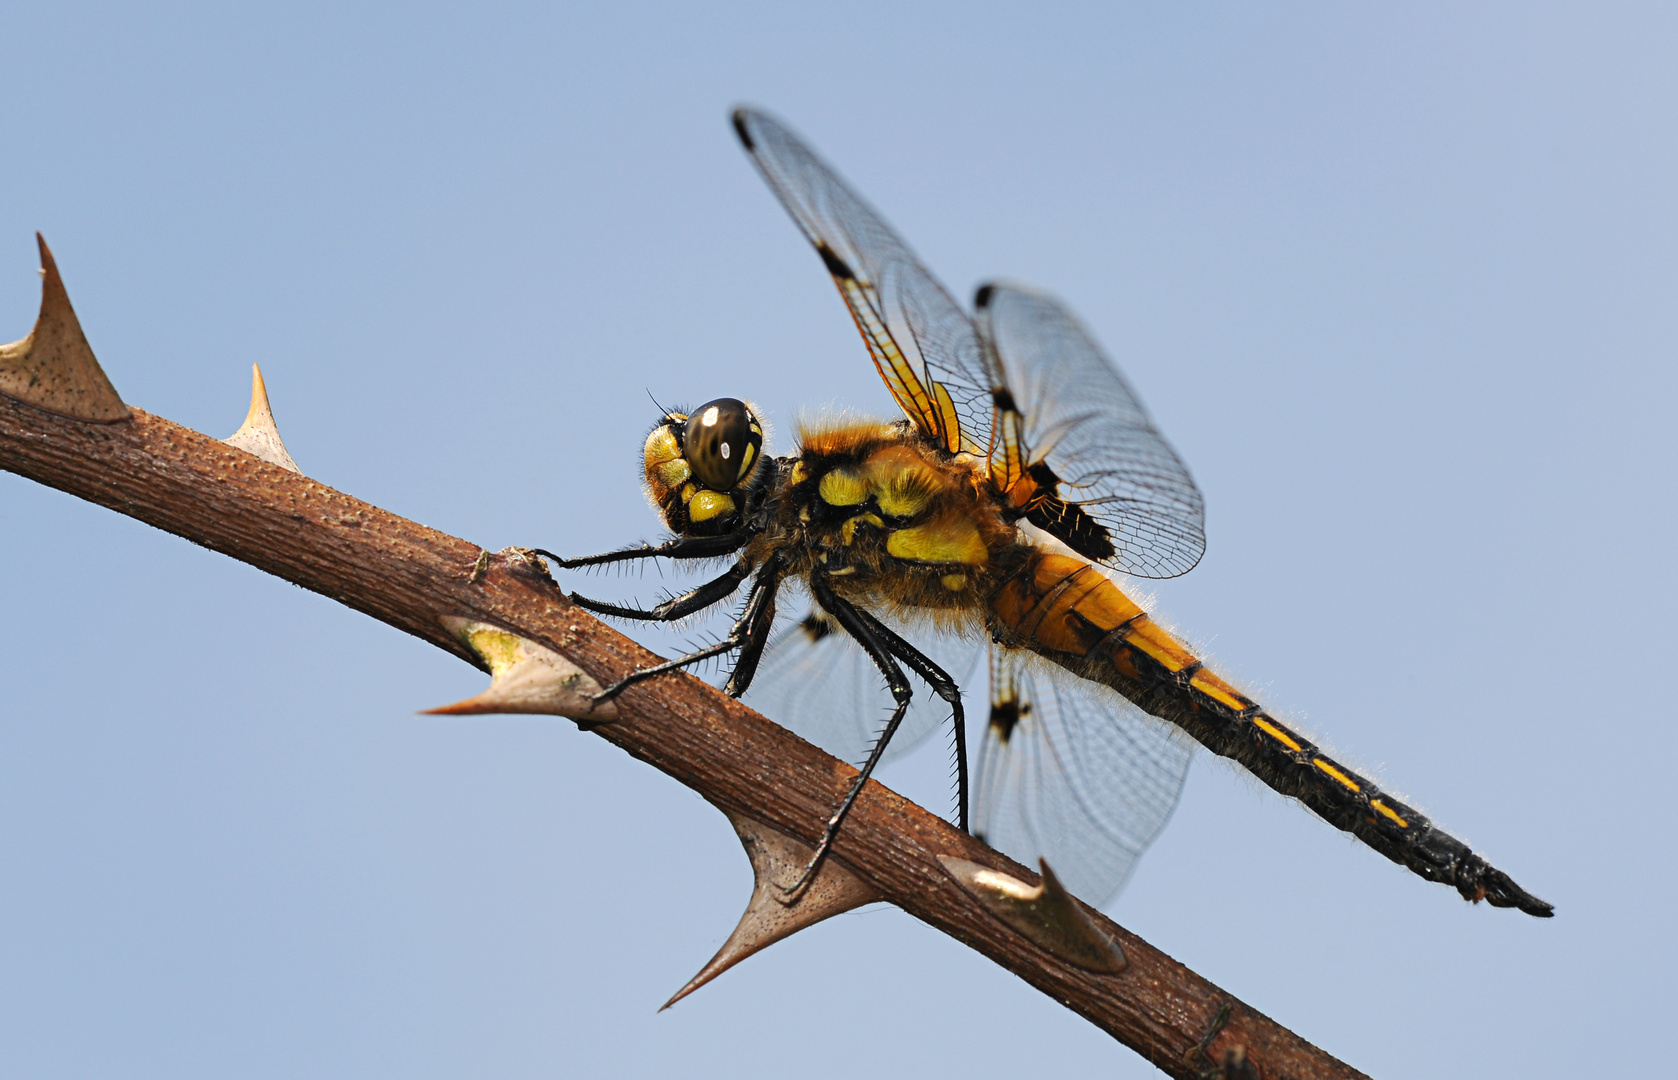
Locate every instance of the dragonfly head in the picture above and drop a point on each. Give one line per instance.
(696, 462)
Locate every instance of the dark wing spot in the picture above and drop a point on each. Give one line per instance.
(1004, 400)
(740, 129)
(816, 626)
(1004, 717)
(981, 299)
(835, 265)
(1046, 477)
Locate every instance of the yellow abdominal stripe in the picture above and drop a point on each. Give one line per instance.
(1276, 733)
(1218, 690)
(1335, 774)
(1388, 812)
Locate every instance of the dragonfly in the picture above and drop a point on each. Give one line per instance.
(984, 537)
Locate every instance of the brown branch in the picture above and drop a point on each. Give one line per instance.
(412, 577)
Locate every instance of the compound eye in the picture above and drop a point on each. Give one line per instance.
(722, 440)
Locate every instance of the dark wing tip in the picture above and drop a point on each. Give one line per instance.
(981, 299)
(740, 117)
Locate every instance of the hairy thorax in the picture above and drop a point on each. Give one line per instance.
(893, 520)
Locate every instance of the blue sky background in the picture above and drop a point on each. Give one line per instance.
(1397, 283)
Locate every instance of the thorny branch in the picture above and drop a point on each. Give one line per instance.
(413, 577)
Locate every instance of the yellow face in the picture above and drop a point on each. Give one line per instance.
(695, 464)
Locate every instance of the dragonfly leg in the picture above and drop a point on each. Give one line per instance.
(757, 638)
(682, 547)
(676, 607)
(760, 611)
(857, 624)
(942, 685)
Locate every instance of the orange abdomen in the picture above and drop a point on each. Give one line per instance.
(1067, 611)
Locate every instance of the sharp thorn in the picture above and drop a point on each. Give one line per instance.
(525, 678)
(1046, 914)
(54, 368)
(258, 435)
(769, 918)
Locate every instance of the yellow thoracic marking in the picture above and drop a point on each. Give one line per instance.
(906, 493)
(709, 504)
(799, 474)
(847, 531)
(1218, 690)
(1388, 812)
(1276, 733)
(954, 582)
(841, 487)
(1335, 774)
(687, 492)
(939, 542)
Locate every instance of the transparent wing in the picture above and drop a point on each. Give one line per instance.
(921, 340)
(1075, 774)
(1075, 446)
(816, 681)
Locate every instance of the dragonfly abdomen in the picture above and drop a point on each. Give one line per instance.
(1067, 611)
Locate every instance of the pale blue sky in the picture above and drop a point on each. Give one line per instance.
(1398, 285)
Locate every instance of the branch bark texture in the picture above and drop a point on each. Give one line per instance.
(411, 577)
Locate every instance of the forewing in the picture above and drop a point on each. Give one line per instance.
(1073, 438)
(921, 340)
(817, 682)
(1084, 779)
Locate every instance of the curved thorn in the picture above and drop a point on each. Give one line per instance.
(1047, 915)
(53, 368)
(775, 857)
(258, 435)
(525, 678)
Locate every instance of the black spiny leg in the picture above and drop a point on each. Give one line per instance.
(682, 547)
(761, 597)
(757, 637)
(942, 685)
(858, 626)
(676, 607)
